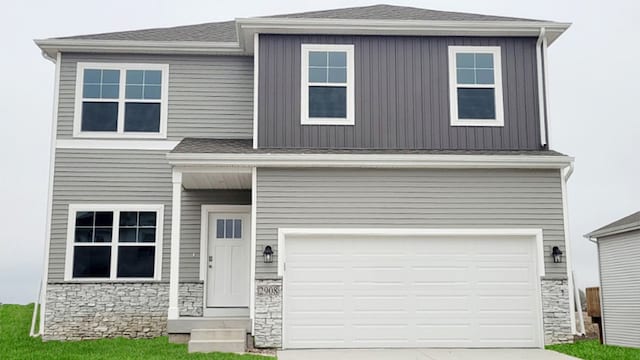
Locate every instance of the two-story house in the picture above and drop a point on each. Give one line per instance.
(368, 177)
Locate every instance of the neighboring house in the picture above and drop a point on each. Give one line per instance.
(376, 176)
(619, 260)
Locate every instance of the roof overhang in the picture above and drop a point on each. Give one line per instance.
(246, 28)
(599, 234)
(301, 160)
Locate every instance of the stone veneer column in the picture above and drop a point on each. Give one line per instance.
(268, 318)
(556, 311)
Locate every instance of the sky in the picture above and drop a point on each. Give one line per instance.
(594, 69)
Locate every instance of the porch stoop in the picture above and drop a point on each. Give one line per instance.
(218, 340)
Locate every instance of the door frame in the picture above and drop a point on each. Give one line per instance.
(534, 234)
(204, 239)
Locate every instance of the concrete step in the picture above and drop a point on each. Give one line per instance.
(185, 325)
(219, 334)
(228, 346)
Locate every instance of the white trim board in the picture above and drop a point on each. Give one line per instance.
(116, 144)
(115, 243)
(370, 160)
(534, 233)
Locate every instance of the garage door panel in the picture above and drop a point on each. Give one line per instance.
(411, 292)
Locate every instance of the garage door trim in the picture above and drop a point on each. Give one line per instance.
(528, 232)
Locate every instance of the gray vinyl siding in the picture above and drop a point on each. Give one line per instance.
(363, 198)
(401, 95)
(619, 257)
(209, 96)
(128, 177)
(192, 200)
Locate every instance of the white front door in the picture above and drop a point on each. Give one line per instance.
(228, 260)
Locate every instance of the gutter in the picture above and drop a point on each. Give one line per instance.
(542, 108)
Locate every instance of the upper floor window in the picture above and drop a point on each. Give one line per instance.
(327, 85)
(475, 85)
(121, 100)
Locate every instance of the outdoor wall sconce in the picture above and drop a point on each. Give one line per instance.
(557, 254)
(267, 254)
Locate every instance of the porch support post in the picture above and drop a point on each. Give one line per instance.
(174, 274)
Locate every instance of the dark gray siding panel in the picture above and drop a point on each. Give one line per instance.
(342, 198)
(192, 201)
(209, 96)
(128, 177)
(401, 95)
(619, 257)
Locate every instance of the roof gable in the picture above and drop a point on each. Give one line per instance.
(627, 223)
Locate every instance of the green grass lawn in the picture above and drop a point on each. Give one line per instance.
(592, 350)
(15, 343)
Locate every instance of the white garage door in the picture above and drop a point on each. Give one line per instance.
(355, 291)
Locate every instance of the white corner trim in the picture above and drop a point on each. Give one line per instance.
(536, 234)
(116, 209)
(497, 86)
(541, 98)
(116, 144)
(120, 134)
(254, 211)
(174, 268)
(441, 161)
(545, 81)
(305, 84)
(52, 163)
(256, 83)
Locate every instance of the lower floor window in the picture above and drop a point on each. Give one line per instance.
(114, 242)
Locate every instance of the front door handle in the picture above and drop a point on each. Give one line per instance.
(210, 262)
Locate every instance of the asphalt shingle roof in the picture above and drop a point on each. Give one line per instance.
(627, 223)
(226, 31)
(245, 146)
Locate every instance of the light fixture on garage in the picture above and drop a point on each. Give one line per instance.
(267, 254)
(557, 254)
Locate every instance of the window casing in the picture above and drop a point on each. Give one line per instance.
(327, 89)
(116, 100)
(114, 242)
(475, 85)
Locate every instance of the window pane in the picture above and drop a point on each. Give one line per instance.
(338, 58)
(484, 76)
(84, 218)
(147, 218)
(136, 261)
(317, 58)
(466, 76)
(111, 77)
(228, 227)
(465, 60)
(91, 261)
(90, 91)
(237, 228)
(147, 235)
(153, 77)
(476, 103)
(134, 77)
(127, 235)
(110, 91)
(152, 92)
(484, 61)
(103, 235)
(128, 218)
(99, 116)
(220, 229)
(134, 92)
(92, 76)
(318, 75)
(104, 218)
(142, 117)
(327, 102)
(84, 235)
(338, 75)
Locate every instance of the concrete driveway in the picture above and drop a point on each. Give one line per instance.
(423, 354)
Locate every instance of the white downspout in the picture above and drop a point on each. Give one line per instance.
(566, 173)
(576, 293)
(541, 86)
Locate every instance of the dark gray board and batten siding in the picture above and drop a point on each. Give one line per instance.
(126, 177)
(209, 96)
(401, 95)
(437, 199)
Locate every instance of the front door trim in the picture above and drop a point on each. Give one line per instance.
(204, 237)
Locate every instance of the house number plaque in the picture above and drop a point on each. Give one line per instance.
(268, 290)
